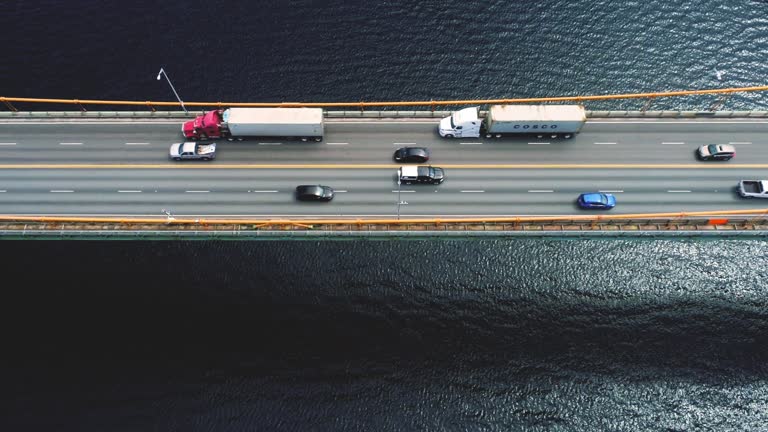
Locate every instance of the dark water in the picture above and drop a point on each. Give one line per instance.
(520, 334)
(386, 335)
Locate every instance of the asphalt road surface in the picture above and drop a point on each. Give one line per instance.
(122, 168)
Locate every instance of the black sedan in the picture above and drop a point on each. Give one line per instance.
(314, 193)
(412, 154)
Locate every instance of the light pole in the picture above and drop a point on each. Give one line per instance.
(162, 72)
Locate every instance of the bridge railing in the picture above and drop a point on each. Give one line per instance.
(362, 105)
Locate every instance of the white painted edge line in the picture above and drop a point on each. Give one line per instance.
(129, 191)
(70, 143)
(678, 191)
(404, 191)
(263, 191)
(62, 191)
(540, 191)
(468, 143)
(605, 143)
(472, 191)
(194, 191)
(740, 143)
(337, 143)
(404, 143)
(672, 143)
(538, 143)
(7, 144)
(267, 143)
(137, 143)
(340, 191)
(611, 191)
(3, 191)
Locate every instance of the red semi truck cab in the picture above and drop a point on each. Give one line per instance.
(204, 126)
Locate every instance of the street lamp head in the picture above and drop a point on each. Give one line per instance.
(159, 73)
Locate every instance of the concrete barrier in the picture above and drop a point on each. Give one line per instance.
(143, 115)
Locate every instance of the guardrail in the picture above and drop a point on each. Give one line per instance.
(362, 105)
(181, 115)
(712, 217)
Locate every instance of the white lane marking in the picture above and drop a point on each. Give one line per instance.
(266, 143)
(740, 143)
(62, 191)
(7, 144)
(672, 143)
(338, 191)
(70, 143)
(136, 143)
(611, 191)
(2, 191)
(337, 143)
(678, 191)
(264, 191)
(538, 143)
(404, 191)
(405, 144)
(196, 191)
(472, 191)
(468, 143)
(540, 191)
(129, 191)
(605, 143)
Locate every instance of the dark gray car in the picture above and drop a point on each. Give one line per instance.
(314, 193)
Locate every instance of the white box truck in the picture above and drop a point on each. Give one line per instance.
(550, 121)
(236, 123)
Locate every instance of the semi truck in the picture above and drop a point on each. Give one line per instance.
(551, 121)
(237, 123)
(753, 188)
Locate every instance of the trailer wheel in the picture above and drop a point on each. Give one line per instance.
(449, 135)
(567, 136)
(177, 159)
(318, 139)
(539, 136)
(498, 135)
(553, 136)
(304, 139)
(489, 135)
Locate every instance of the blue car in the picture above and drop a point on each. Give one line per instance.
(597, 200)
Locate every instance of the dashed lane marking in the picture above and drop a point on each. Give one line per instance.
(540, 191)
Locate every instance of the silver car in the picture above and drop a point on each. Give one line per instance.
(716, 152)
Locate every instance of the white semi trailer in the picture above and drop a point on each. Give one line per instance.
(551, 121)
(297, 123)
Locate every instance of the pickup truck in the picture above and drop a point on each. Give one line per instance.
(753, 188)
(193, 150)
